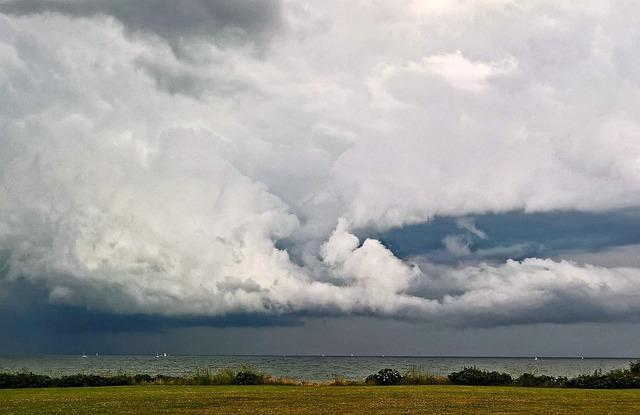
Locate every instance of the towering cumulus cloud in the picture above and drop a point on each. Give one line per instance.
(214, 157)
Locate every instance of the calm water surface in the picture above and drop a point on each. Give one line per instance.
(317, 368)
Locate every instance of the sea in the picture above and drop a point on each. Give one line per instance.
(310, 368)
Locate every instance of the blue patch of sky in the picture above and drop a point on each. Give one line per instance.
(532, 234)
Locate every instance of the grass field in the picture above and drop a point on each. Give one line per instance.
(197, 400)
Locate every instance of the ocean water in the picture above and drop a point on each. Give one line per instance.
(313, 368)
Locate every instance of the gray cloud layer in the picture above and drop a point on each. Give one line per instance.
(224, 20)
(133, 180)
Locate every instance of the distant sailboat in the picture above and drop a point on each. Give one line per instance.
(581, 357)
(535, 358)
(164, 355)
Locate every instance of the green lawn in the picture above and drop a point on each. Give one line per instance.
(317, 400)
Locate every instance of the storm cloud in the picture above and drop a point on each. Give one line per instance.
(158, 165)
(221, 20)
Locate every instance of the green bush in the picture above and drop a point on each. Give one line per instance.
(92, 380)
(141, 379)
(31, 380)
(540, 381)
(616, 379)
(24, 380)
(477, 377)
(370, 380)
(248, 378)
(385, 377)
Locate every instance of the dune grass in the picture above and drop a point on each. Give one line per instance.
(267, 399)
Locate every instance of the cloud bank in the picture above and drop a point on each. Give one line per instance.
(212, 158)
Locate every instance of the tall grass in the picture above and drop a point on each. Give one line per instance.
(342, 381)
(418, 376)
(206, 377)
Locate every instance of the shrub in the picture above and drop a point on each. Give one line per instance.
(385, 377)
(91, 380)
(634, 367)
(246, 377)
(24, 380)
(541, 381)
(616, 379)
(371, 379)
(141, 378)
(477, 377)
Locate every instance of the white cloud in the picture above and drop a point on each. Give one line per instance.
(457, 245)
(469, 225)
(139, 178)
(464, 74)
(534, 290)
(371, 265)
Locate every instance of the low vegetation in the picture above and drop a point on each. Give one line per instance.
(615, 379)
(477, 377)
(468, 376)
(385, 377)
(244, 376)
(418, 376)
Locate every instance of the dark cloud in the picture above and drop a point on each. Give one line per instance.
(184, 80)
(343, 336)
(225, 20)
(565, 308)
(68, 319)
(27, 309)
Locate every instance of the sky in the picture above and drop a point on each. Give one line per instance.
(302, 177)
